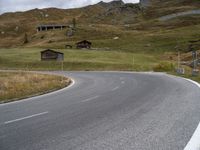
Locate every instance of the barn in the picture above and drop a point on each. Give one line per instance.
(84, 44)
(49, 54)
(50, 27)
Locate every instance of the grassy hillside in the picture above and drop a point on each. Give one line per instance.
(138, 28)
(146, 40)
(123, 36)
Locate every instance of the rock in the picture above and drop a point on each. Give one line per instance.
(127, 25)
(145, 3)
(116, 38)
(148, 45)
(16, 28)
(41, 13)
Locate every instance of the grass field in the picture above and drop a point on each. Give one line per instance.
(18, 85)
(88, 60)
(29, 59)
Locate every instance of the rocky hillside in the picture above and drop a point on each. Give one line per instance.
(15, 25)
(159, 8)
(95, 21)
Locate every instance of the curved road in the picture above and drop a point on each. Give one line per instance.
(105, 111)
(180, 14)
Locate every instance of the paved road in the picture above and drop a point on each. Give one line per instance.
(105, 111)
(179, 14)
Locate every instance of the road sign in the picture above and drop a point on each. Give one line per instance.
(195, 72)
(194, 54)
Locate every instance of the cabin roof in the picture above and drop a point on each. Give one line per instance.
(51, 25)
(84, 41)
(51, 51)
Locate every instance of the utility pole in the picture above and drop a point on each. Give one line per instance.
(195, 71)
(194, 57)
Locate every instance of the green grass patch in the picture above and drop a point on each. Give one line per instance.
(29, 59)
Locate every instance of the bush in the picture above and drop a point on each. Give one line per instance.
(164, 67)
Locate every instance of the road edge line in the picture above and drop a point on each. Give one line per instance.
(194, 143)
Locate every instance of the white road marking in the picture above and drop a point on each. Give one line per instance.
(114, 89)
(89, 99)
(194, 82)
(194, 143)
(27, 117)
(122, 82)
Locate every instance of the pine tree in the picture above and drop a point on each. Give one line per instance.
(25, 38)
(74, 23)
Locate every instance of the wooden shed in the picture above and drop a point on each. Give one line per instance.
(83, 44)
(49, 54)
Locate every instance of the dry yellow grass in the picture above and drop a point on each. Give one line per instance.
(18, 85)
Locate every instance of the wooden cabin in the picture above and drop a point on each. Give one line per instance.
(49, 54)
(84, 44)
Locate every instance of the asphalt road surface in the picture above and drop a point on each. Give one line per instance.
(105, 111)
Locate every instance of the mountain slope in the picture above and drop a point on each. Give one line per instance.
(100, 23)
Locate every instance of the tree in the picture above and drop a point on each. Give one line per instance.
(25, 38)
(74, 23)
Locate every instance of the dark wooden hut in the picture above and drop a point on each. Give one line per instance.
(52, 55)
(84, 44)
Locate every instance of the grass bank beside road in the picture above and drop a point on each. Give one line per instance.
(18, 85)
(85, 60)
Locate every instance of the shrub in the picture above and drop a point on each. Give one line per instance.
(164, 67)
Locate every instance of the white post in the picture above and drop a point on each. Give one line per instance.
(133, 62)
(178, 60)
(62, 68)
